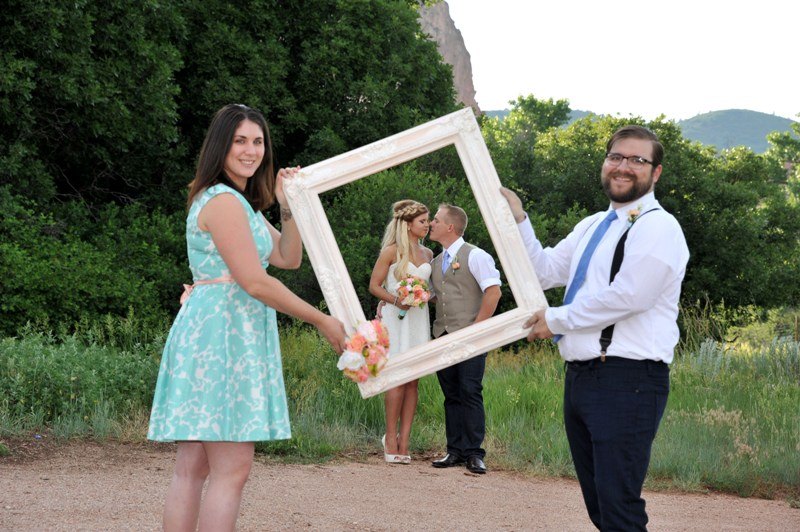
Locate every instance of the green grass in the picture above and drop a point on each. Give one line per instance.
(73, 387)
(732, 422)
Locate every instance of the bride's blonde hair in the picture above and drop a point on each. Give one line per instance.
(403, 212)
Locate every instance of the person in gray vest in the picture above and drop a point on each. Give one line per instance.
(466, 284)
(617, 328)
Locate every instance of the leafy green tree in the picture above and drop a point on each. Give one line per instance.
(785, 148)
(738, 244)
(331, 75)
(740, 223)
(513, 139)
(57, 270)
(234, 55)
(103, 107)
(110, 100)
(361, 71)
(87, 97)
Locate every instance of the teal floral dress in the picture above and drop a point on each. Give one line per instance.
(221, 377)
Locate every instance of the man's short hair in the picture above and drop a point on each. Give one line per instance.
(456, 216)
(638, 132)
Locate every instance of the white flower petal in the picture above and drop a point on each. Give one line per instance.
(350, 360)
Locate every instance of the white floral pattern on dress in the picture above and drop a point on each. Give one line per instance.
(221, 376)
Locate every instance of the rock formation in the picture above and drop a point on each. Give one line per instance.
(436, 22)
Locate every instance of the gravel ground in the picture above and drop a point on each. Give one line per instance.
(86, 486)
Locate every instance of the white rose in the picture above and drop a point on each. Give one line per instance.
(351, 360)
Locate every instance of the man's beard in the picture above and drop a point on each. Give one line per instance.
(640, 187)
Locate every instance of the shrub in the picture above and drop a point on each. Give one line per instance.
(49, 380)
(71, 265)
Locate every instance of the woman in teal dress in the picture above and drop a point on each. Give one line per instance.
(220, 386)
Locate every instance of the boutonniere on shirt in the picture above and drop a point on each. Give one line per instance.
(456, 266)
(633, 214)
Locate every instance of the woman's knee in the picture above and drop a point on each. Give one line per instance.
(191, 462)
(232, 461)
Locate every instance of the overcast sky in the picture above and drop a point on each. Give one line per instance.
(627, 57)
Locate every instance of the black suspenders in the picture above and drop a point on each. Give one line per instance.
(619, 254)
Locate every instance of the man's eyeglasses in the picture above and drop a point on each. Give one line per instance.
(634, 161)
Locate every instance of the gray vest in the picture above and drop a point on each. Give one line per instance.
(458, 294)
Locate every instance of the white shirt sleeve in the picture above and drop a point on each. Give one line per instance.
(655, 256)
(552, 265)
(482, 267)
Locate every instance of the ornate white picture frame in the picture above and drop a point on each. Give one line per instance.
(461, 130)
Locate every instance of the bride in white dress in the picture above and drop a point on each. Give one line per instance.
(402, 254)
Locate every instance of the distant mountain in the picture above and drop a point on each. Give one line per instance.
(573, 115)
(734, 127)
(722, 129)
(501, 113)
(577, 114)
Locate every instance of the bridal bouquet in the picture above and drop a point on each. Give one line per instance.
(365, 352)
(412, 291)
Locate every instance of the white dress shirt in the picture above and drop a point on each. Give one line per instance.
(643, 299)
(481, 265)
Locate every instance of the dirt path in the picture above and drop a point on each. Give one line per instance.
(121, 487)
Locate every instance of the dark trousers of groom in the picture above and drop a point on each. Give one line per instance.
(465, 419)
(612, 410)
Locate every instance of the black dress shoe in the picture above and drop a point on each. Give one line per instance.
(476, 465)
(449, 460)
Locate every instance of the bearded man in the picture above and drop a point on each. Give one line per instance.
(623, 270)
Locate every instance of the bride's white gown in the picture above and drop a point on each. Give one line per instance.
(415, 328)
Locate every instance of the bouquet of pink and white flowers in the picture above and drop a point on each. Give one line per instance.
(414, 292)
(365, 352)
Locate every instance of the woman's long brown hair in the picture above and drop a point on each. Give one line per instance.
(260, 188)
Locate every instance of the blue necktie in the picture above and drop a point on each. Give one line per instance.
(445, 262)
(583, 264)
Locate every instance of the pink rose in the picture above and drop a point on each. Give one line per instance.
(356, 343)
(374, 354)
